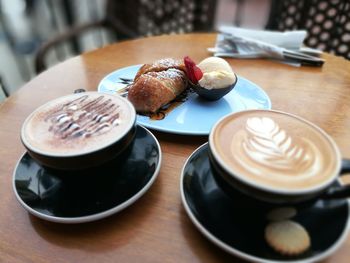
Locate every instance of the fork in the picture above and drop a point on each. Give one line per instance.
(125, 80)
(128, 82)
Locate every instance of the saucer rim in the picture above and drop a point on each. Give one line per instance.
(100, 215)
(243, 255)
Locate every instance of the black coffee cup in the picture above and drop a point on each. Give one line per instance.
(84, 117)
(235, 185)
(250, 196)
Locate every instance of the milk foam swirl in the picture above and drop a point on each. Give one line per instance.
(271, 147)
(84, 118)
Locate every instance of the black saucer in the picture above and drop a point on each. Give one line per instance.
(77, 197)
(241, 233)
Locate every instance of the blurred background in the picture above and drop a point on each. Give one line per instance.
(36, 34)
(26, 24)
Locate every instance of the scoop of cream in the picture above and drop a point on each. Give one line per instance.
(217, 73)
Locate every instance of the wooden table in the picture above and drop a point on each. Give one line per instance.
(155, 228)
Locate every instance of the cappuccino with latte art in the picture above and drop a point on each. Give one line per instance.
(275, 150)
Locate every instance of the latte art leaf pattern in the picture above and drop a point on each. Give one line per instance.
(269, 145)
(84, 118)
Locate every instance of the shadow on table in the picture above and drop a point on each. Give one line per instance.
(198, 243)
(105, 234)
(185, 140)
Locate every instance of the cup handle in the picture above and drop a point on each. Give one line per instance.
(339, 191)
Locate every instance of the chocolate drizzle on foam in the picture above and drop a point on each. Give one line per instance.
(84, 118)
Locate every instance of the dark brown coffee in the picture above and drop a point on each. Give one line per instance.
(275, 150)
(78, 124)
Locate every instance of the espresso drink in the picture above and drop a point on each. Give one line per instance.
(78, 124)
(275, 150)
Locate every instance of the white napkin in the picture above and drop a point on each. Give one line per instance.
(286, 47)
(290, 39)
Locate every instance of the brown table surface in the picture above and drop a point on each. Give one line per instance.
(156, 228)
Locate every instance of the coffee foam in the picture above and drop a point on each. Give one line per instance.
(275, 150)
(78, 124)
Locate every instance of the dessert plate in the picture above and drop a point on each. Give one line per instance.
(242, 234)
(195, 116)
(92, 195)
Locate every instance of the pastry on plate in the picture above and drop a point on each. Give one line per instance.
(155, 85)
(161, 65)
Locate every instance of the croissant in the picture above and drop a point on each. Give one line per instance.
(152, 90)
(161, 65)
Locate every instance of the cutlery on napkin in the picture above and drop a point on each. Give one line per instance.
(246, 43)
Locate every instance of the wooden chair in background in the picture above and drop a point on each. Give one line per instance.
(137, 18)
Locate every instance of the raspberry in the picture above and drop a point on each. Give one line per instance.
(193, 72)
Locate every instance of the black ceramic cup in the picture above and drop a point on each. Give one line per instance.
(244, 134)
(252, 197)
(79, 131)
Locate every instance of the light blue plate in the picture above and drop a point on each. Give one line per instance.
(195, 116)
